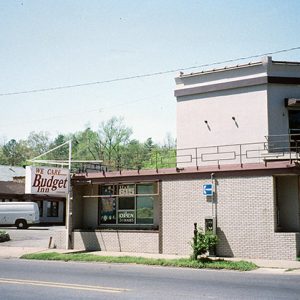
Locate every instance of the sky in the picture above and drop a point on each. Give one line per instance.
(47, 44)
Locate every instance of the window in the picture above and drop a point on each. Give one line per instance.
(126, 203)
(131, 204)
(144, 210)
(52, 208)
(108, 205)
(40, 205)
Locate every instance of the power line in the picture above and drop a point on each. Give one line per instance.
(145, 75)
(97, 110)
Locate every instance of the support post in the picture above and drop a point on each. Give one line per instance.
(68, 201)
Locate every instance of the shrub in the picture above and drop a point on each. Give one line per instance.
(202, 242)
(4, 236)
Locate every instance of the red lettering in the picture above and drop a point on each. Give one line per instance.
(37, 180)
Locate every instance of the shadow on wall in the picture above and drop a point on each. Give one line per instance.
(223, 247)
(90, 240)
(298, 244)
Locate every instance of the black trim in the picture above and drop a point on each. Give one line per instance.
(236, 84)
(283, 80)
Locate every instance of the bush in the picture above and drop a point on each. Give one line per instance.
(202, 242)
(4, 236)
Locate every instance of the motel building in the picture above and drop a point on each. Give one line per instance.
(236, 172)
(52, 208)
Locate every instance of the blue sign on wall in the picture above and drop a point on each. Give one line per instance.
(208, 189)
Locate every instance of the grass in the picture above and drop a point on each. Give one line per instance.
(183, 262)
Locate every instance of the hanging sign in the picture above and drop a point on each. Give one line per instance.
(47, 181)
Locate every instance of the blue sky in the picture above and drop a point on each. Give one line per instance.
(57, 43)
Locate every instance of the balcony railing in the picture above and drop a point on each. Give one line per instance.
(275, 147)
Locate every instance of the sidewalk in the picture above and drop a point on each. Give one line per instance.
(266, 266)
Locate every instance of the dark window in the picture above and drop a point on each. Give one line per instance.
(52, 209)
(40, 205)
(294, 128)
(126, 202)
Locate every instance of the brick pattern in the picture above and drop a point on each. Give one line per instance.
(59, 239)
(244, 206)
(118, 241)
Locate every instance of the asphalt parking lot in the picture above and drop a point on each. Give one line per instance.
(36, 236)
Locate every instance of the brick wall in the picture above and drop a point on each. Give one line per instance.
(118, 241)
(59, 239)
(244, 206)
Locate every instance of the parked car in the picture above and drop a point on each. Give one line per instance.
(20, 214)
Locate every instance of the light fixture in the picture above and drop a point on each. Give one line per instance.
(206, 122)
(235, 122)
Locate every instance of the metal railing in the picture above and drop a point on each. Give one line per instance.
(275, 147)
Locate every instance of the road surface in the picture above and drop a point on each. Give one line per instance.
(22, 279)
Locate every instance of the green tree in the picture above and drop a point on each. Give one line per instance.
(133, 155)
(86, 146)
(15, 153)
(114, 136)
(38, 143)
(62, 153)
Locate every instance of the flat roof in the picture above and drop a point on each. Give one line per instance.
(273, 167)
(238, 66)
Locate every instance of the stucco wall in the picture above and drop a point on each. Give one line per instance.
(218, 108)
(277, 112)
(90, 208)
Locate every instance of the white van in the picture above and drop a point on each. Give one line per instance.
(21, 214)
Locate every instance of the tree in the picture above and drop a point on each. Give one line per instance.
(113, 137)
(86, 146)
(38, 143)
(15, 153)
(169, 142)
(133, 155)
(61, 153)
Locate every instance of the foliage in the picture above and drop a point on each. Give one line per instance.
(202, 242)
(4, 236)
(86, 145)
(111, 144)
(113, 136)
(14, 153)
(38, 143)
(183, 262)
